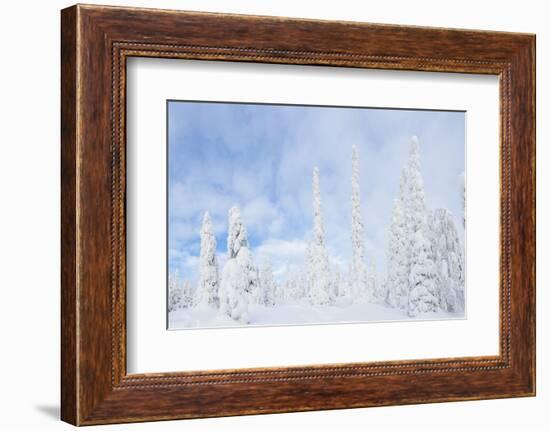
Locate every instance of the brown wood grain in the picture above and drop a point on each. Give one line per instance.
(95, 42)
(68, 217)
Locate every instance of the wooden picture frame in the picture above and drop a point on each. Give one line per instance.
(95, 43)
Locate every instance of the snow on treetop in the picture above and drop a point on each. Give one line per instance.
(236, 236)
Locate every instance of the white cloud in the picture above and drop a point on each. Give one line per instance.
(285, 255)
(247, 185)
(186, 264)
(259, 214)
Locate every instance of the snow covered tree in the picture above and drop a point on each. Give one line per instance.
(340, 284)
(318, 264)
(423, 283)
(175, 294)
(309, 261)
(280, 293)
(379, 293)
(207, 289)
(236, 234)
(268, 283)
(336, 279)
(235, 289)
(457, 267)
(237, 248)
(187, 295)
(449, 260)
(463, 177)
(358, 271)
(425, 258)
(423, 289)
(291, 289)
(233, 301)
(294, 287)
(397, 282)
(253, 288)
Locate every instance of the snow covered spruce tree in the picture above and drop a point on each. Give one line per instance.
(358, 272)
(397, 282)
(253, 289)
(187, 294)
(233, 301)
(268, 283)
(234, 293)
(423, 288)
(449, 260)
(379, 292)
(279, 293)
(175, 294)
(237, 246)
(318, 263)
(340, 284)
(207, 289)
(294, 287)
(291, 289)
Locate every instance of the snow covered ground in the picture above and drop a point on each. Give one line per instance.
(297, 313)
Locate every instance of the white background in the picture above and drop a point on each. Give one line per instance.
(153, 349)
(29, 225)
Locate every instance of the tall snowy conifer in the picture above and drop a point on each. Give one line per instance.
(295, 285)
(279, 293)
(187, 294)
(397, 283)
(318, 264)
(268, 283)
(207, 289)
(237, 247)
(358, 271)
(449, 260)
(340, 284)
(236, 233)
(423, 289)
(235, 289)
(378, 290)
(253, 289)
(175, 294)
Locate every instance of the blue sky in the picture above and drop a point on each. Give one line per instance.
(261, 158)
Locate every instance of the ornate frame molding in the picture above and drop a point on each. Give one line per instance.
(96, 41)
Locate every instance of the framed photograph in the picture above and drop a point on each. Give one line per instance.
(293, 252)
(266, 214)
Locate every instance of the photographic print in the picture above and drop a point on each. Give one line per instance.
(297, 215)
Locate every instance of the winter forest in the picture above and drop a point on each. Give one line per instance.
(422, 274)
